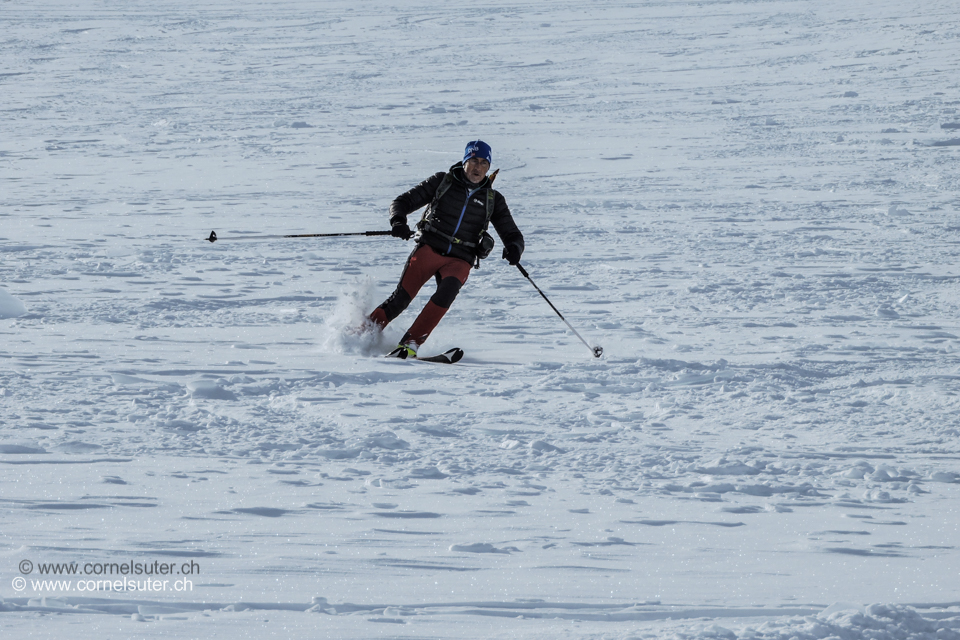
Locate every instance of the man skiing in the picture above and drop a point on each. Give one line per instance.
(452, 239)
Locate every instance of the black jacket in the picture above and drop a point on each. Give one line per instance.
(456, 214)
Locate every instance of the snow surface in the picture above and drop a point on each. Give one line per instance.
(752, 206)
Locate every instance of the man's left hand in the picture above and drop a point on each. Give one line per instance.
(511, 253)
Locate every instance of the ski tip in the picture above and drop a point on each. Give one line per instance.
(447, 357)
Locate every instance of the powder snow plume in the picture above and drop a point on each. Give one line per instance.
(10, 307)
(348, 330)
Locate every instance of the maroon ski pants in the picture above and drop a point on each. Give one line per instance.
(424, 263)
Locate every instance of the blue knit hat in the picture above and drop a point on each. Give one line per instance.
(478, 149)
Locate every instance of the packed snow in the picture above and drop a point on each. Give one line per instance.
(751, 206)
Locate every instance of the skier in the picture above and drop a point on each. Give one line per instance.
(453, 237)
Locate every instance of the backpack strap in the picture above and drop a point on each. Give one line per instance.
(491, 201)
(444, 186)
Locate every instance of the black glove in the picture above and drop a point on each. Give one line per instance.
(401, 230)
(511, 253)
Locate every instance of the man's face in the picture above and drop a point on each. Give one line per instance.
(476, 169)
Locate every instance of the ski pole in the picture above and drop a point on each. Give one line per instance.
(597, 351)
(213, 235)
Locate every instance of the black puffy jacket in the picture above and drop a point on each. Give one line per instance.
(459, 214)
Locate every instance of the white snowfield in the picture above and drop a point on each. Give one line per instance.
(752, 207)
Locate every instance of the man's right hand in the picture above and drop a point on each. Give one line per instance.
(401, 230)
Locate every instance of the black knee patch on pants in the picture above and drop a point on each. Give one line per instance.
(396, 303)
(447, 292)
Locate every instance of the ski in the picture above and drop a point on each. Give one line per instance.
(447, 357)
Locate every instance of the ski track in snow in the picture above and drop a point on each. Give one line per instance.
(751, 206)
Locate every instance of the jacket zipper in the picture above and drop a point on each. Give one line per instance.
(462, 212)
